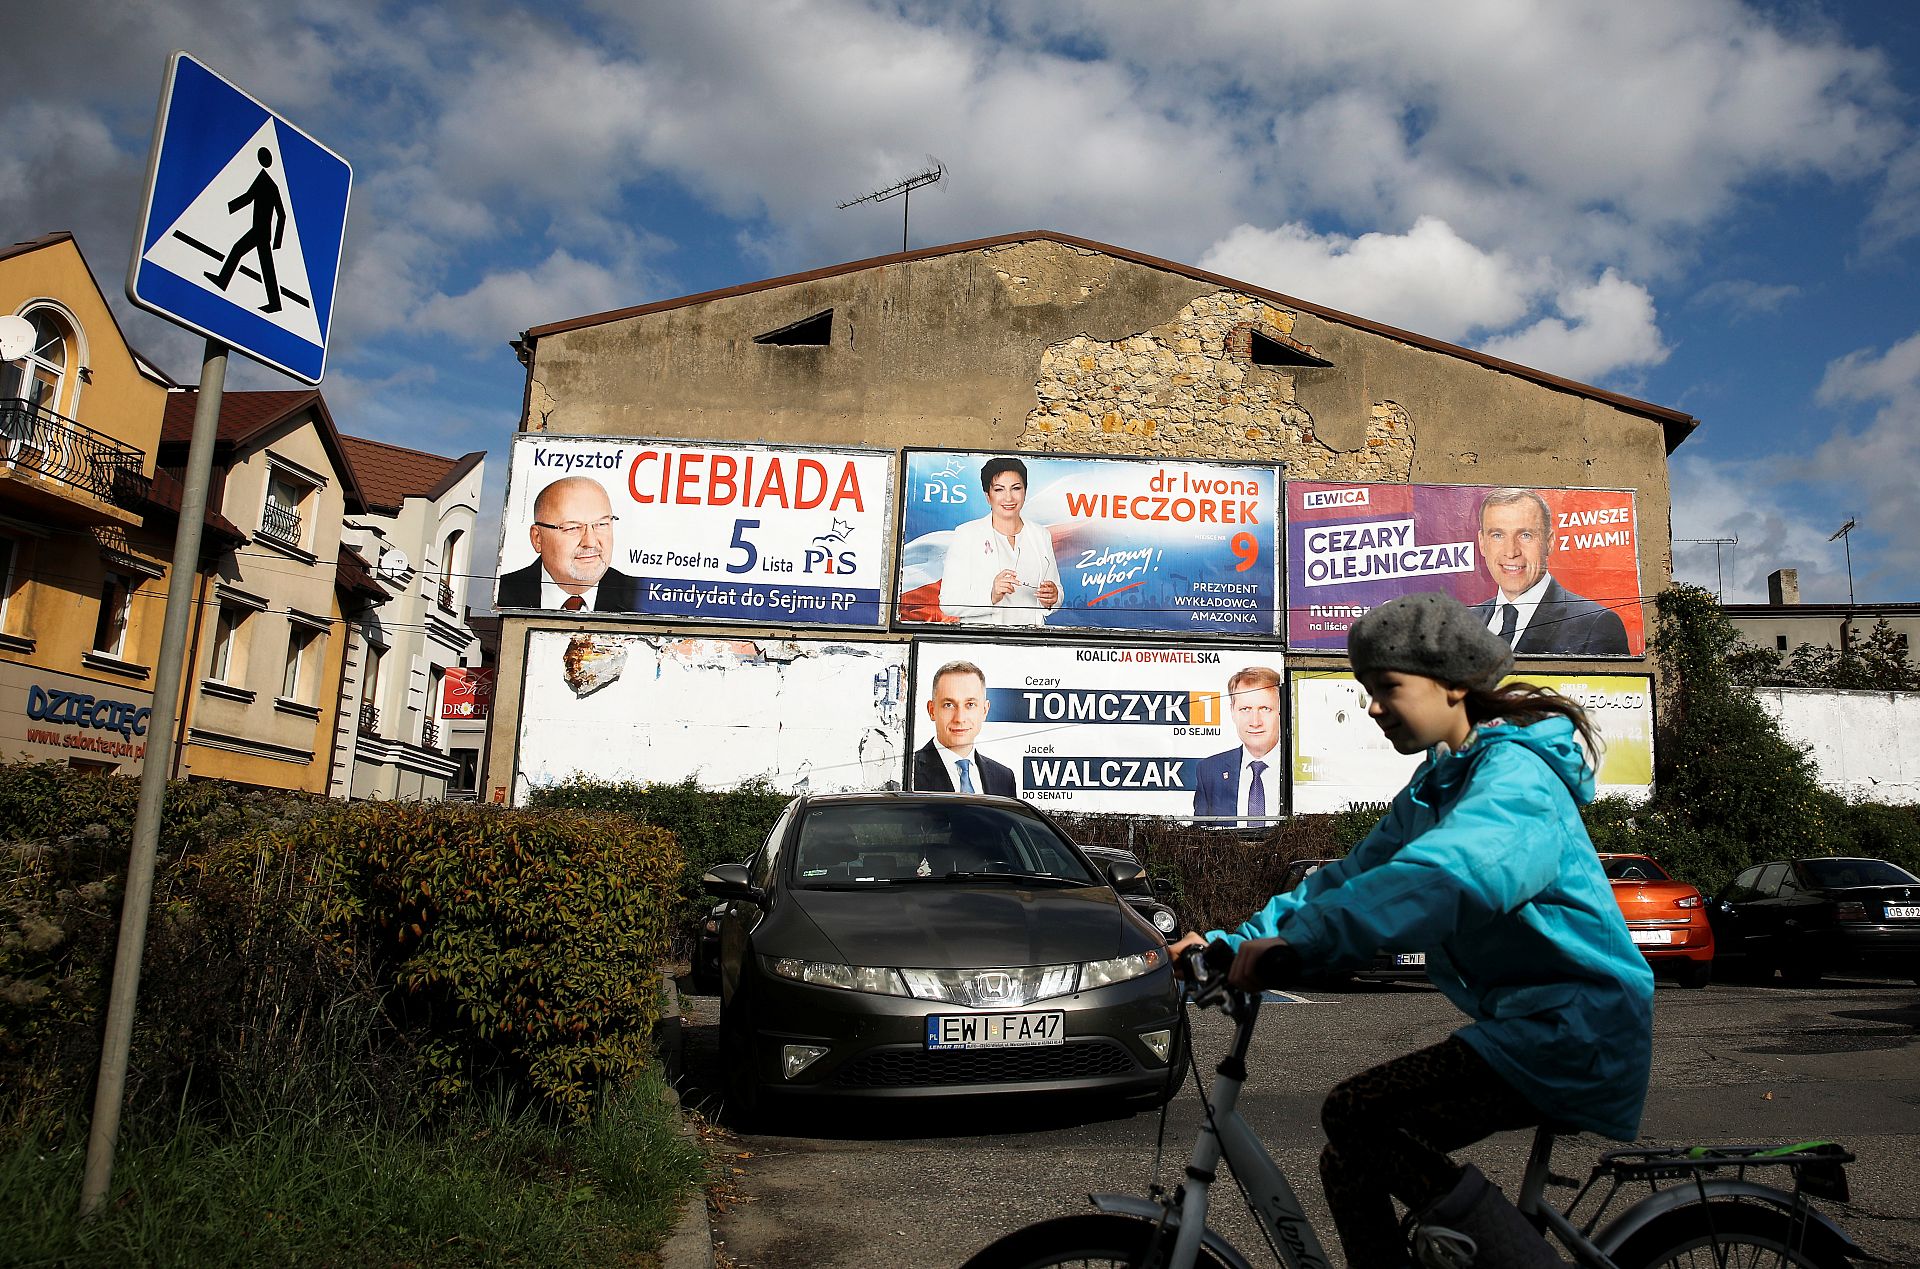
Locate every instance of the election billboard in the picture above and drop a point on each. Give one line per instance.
(1042, 541)
(1116, 728)
(1554, 571)
(1340, 757)
(792, 535)
(803, 715)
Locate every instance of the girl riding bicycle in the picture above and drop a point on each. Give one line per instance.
(1483, 863)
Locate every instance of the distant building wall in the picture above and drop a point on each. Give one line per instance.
(1865, 744)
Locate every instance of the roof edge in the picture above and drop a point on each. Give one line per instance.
(1677, 424)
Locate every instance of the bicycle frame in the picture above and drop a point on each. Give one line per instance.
(1225, 1135)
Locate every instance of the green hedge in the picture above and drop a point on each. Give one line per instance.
(712, 826)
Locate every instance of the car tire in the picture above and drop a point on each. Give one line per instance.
(1695, 973)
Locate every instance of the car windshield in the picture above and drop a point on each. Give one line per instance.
(1835, 873)
(877, 843)
(1634, 868)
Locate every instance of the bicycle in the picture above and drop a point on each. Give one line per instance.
(1707, 1212)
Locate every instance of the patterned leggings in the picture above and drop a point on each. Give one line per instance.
(1388, 1133)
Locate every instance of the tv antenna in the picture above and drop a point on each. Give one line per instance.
(1719, 579)
(1845, 534)
(902, 190)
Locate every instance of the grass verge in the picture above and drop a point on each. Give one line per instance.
(318, 1187)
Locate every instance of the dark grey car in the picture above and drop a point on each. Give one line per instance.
(926, 945)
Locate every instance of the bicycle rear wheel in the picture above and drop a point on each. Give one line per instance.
(1731, 1234)
(1097, 1240)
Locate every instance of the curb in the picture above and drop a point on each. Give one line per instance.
(690, 1245)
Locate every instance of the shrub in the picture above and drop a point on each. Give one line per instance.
(526, 944)
(713, 826)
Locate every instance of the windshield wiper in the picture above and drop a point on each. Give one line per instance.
(1025, 878)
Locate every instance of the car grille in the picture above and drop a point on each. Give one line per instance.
(917, 1068)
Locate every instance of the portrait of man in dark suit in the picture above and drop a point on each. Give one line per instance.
(957, 704)
(1531, 611)
(573, 532)
(1244, 782)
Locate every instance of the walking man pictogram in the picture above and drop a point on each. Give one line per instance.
(269, 221)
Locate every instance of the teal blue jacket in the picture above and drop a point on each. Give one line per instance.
(1482, 862)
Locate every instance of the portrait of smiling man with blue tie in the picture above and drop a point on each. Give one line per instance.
(1244, 782)
(1531, 612)
(957, 704)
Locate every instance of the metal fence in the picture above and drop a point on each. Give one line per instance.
(67, 452)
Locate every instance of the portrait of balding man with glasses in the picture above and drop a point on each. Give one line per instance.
(572, 529)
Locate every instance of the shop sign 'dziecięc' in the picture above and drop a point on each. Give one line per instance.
(789, 535)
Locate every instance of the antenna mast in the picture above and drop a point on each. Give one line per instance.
(1845, 534)
(902, 190)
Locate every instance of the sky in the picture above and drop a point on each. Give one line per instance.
(1713, 206)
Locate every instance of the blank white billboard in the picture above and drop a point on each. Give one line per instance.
(804, 715)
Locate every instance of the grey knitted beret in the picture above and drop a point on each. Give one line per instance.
(1431, 634)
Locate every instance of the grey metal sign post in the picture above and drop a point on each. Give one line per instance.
(220, 231)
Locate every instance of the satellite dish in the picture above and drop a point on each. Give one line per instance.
(393, 564)
(16, 338)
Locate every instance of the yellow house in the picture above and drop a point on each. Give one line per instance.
(86, 531)
(264, 680)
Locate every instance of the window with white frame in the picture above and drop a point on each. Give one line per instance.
(38, 377)
(116, 607)
(280, 517)
(229, 632)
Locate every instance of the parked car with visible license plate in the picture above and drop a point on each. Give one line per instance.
(908, 945)
(1666, 917)
(1806, 917)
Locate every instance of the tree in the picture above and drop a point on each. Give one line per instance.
(1877, 663)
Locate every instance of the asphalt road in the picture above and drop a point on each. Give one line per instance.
(912, 1184)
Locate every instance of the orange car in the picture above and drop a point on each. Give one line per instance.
(1667, 917)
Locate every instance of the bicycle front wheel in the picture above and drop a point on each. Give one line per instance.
(1099, 1240)
(1734, 1235)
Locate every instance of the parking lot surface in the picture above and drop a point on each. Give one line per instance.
(929, 1184)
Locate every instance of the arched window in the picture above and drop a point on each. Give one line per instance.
(39, 377)
(450, 570)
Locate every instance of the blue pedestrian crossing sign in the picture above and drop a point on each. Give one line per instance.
(244, 214)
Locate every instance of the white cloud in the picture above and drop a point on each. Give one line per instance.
(1742, 298)
(1605, 326)
(508, 301)
(1428, 280)
(1776, 527)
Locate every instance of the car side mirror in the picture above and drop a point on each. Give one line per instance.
(730, 881)
(1126, 876)
(1163, 889)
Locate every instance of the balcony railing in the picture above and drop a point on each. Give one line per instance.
(429, 734)
(281, 523)
(69, 453)
(446, 595)
(369, 720)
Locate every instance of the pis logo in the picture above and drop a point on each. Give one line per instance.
(942, 486)
(827, 553)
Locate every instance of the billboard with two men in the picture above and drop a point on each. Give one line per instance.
(1554, 572)
(1117, 728)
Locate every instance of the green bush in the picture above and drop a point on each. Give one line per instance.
(713, 826)
(527, 944)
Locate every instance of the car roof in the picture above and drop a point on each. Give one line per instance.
(887, 797)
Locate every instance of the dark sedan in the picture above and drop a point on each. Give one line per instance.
(1805, 917)
(916, 945)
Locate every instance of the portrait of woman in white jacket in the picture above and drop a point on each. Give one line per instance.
(1000, 568)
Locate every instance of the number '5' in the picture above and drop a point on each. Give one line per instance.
(740, 543)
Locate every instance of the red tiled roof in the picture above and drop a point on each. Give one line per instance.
(241, 413)
(353, 576)
(388, 474)
(245, 415)
(166, 494)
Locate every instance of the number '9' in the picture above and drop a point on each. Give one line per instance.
(1246, 549)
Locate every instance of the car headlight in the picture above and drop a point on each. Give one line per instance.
(1120, 969)
(868, 978)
